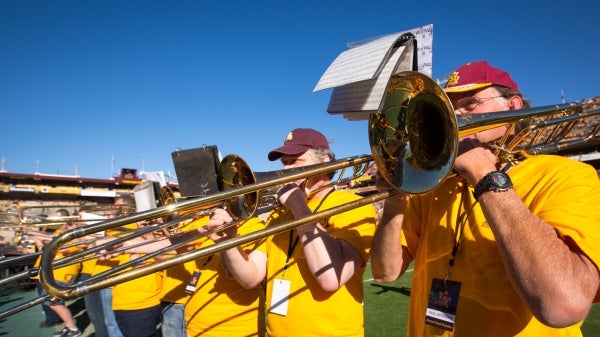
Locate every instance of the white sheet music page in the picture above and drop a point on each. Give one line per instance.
(367, 96)
(357, 64)
(361, 74)
(424, 36)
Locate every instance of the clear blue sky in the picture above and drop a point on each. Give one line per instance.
(82, 81)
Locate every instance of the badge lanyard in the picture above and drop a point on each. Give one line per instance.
(193, 281)
(444, 295)
(461, 221)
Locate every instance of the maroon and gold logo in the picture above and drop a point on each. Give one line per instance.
(453, 79)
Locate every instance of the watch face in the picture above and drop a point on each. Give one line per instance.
(498, 179)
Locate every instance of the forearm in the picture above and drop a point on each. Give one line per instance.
(331, 261)
(248, 269)
(387, 261)
(557, 282)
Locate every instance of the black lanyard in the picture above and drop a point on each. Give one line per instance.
(294, 242)
(461, 221)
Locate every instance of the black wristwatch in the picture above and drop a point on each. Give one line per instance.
(497, 181)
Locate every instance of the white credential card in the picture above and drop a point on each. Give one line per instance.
(280, 297)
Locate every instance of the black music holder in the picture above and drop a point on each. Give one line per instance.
(197, 171)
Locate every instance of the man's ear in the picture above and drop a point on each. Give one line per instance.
(515, 103)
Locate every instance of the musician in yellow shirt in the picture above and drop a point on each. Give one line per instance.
(313, 272)
(136, 303)
(219, 306)
(215, 304)
(174, 294)
(503, 249)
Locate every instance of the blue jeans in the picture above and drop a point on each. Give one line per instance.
(109, 314)
(139, 323)
(173, 320)
(95, 309)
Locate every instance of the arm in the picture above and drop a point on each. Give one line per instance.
(389, 259)
(249, 269)
(554, 278)
(557, 281)
(331, 261)
(41, 239)
(137, 245)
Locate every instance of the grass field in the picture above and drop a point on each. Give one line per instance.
(386, 309)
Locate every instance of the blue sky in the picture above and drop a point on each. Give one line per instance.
(82, 81)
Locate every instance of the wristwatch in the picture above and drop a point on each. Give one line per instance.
(496, 181)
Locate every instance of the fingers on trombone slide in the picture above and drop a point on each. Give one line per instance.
(218, 228)
(108, 251)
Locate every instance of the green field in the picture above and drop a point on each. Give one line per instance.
(386, 309)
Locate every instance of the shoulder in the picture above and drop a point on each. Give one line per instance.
(558, 165)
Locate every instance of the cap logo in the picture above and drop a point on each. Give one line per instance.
(289, 136)
(453, 79)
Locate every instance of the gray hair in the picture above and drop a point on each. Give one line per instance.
(317, 154)
(508, 93)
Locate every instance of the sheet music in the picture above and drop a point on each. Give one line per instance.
(365, 95)
(358, 63)
(359, 76)
(424, 36)
(363, 61)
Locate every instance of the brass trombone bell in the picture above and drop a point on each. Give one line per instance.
(414, 138)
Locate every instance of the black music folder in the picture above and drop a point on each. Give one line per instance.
(197, 171)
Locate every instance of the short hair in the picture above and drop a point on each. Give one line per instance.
(317, 154)
(507, 93)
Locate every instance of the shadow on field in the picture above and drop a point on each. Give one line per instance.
(383, 289)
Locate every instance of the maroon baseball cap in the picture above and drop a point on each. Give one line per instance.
(298, 141)
(478, 75)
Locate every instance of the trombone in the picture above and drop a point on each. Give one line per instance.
(37, 215)
(29, 217)
(413, 140)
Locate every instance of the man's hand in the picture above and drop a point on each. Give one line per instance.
(219, 218)
(474, 160)
(110, 251)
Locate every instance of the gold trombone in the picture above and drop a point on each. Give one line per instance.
(29, 218)
(413, 141)
(37, 215)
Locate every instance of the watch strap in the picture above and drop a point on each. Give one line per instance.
(497, 181)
